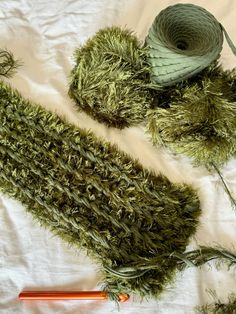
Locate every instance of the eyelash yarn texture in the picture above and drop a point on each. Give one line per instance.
(219, 307)
(95, 197)
(8, 64)
(92, 195)
(197, 117)
(194, 117)
(110, 80)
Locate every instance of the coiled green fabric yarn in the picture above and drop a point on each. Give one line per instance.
(182, 41)
(92, 195)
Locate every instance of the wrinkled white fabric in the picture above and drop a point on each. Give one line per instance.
(43, 35)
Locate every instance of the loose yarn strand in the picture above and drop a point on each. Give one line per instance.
(195, 258)
(8, 64)
(229, 41)
(225, 185)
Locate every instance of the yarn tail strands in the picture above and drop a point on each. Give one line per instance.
(92, 195)
(233, 202)
(182, 41)
(195, 258)
(218, 306)
(8, 64)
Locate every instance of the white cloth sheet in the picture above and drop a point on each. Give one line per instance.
(43, 35)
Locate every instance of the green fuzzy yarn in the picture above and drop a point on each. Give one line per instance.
(111, 82)
(92, 195)
(110, 79)
(8, 64)
(197, 117)
(219, 307)
(195, 258)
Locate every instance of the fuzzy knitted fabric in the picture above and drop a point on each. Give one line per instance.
(92, 195)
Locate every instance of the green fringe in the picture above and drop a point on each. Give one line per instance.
(110, 78)
(92, 195)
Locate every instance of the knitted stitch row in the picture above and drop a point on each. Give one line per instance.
(92, 195)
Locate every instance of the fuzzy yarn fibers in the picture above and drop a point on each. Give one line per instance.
(110, 78)
(92, 195)
(197, 117)
(111, 81)
(219, 307)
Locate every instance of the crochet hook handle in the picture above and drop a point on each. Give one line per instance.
(69, 295)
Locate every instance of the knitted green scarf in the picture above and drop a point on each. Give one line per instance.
(93, 196)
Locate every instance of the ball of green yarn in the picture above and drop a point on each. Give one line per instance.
(109, 80)
(197, 118)
(182, 41)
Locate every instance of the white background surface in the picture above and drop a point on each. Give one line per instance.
(43, 34)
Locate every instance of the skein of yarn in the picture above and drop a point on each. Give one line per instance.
(182, 41)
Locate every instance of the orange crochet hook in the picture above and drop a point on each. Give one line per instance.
(69, 295)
